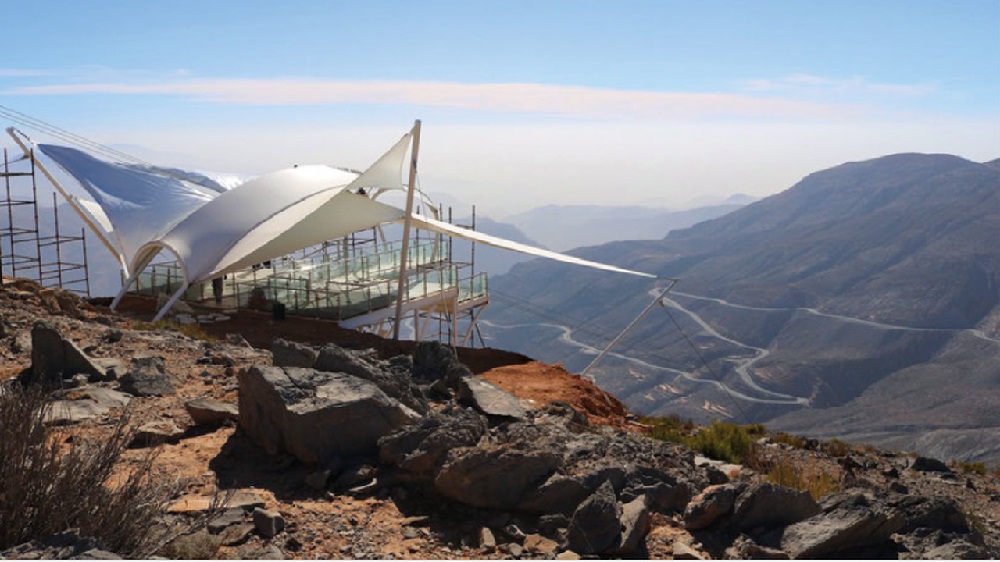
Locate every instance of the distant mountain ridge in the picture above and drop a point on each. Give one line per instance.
(847, 305)
(563, 227)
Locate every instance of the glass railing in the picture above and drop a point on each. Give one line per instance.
(334, 289)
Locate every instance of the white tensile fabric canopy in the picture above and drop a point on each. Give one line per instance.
(214, 228)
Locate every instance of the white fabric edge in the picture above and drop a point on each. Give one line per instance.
(427, 223)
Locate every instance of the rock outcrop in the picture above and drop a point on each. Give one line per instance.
(316, 415)
(54, 358)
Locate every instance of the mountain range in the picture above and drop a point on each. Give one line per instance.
(563, 227)
(861, 303)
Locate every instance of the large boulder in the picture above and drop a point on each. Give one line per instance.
(766, 505)
(710, 505)
(421, 449)
(493, 477)
(595, 526)
(395, 383)
(54, 358)
(848, 522)
(314, 415)
(635, 520)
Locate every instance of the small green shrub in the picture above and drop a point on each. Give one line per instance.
(724, 441)
(672, 429)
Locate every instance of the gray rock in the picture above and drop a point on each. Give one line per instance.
(319, 479)
(488, 399)
(958, 549)
(268, 523)
(316, 416)
(709, 506)
(493, 478)
(666, 494)
(146, 377)
(225, 519)
(595, 527)
(54, 358)
(420, 449)
(155, 433)
(61, 546)
(921, 512)
(291, 354)
(848, 521)
(235, 535)
(77, 405)
(207, 411)
(434, 361)
(113, 368)
(927, 464)
(397, 385)
(744, 548)
(558, 494)
(768, 505)
(270, 552)
(635, 525)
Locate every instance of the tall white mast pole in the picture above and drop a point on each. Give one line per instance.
(402, 287)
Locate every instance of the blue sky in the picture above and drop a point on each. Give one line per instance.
(523, 103)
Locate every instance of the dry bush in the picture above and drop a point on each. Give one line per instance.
(793, 441)
(46, 490)
(803, 475)
(724, 441)
(968, 467)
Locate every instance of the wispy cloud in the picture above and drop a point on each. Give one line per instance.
(807, 83)
(507, 97)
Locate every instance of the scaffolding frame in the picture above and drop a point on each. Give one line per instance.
(33, 245)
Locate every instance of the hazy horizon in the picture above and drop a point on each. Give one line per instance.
(634, 103)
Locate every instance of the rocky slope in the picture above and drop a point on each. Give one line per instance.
(862, 303)
(327, 451)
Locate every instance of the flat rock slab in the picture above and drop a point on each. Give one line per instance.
(207, 411)
(81, 404)
(54, 357)
(489, 399)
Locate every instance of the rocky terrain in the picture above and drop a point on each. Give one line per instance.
(862, 303)
(323, 443)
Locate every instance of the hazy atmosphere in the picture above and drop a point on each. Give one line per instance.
(524, 103)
